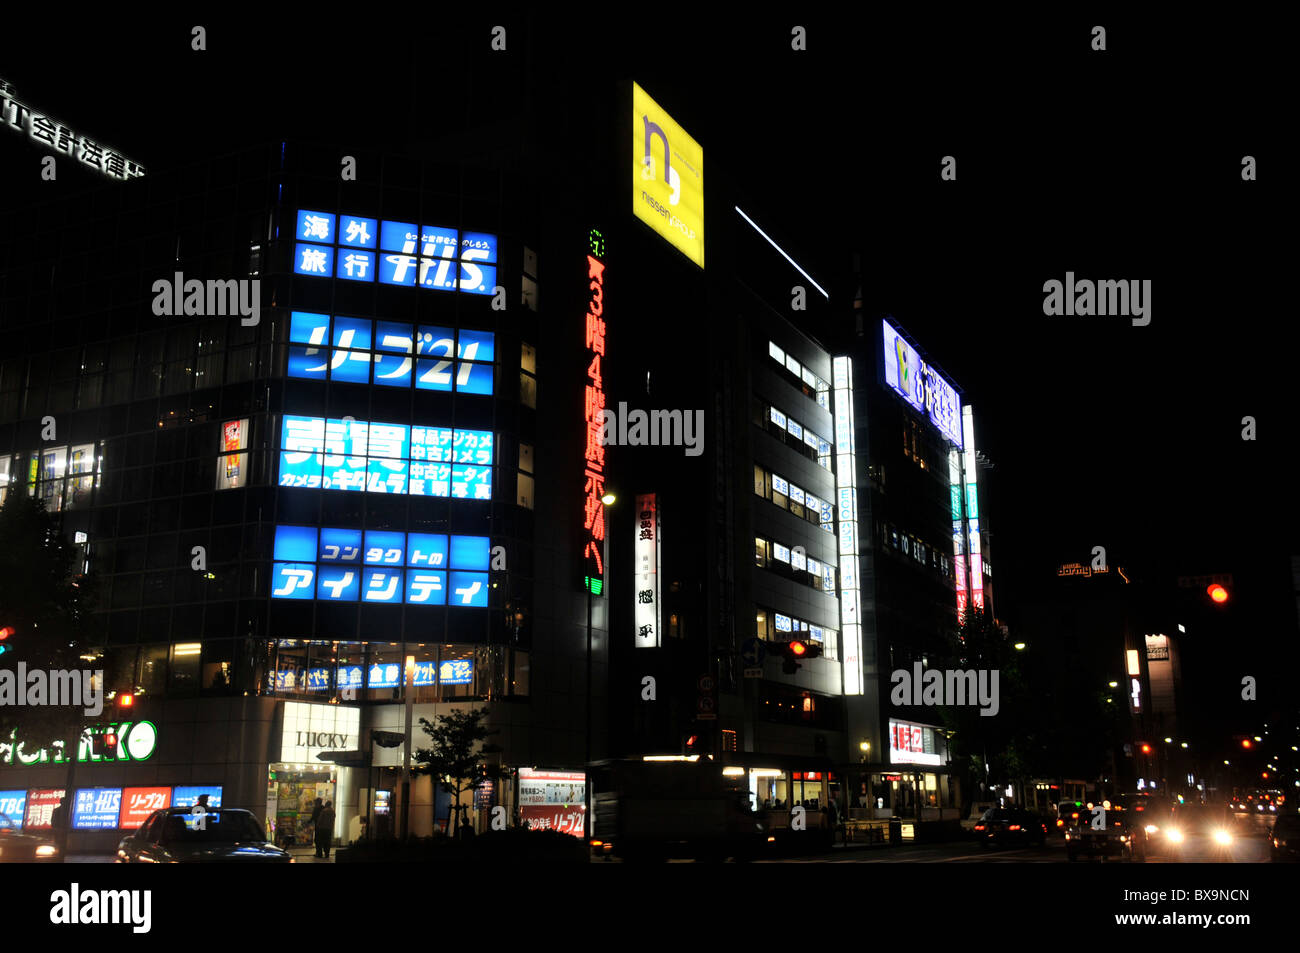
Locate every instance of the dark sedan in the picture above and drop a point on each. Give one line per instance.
(221, 836)
(1010, 825)
(19, 848)
(1284, 839)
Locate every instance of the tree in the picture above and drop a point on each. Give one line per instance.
(988, 748)
(457, 759)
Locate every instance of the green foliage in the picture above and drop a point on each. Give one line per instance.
(457, 758)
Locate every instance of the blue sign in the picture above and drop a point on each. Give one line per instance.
(456, 672)
(426, 587)
(295, 543)
(355, 248)
(335, 454)
(432, 358)
(189, 796)
(470, 552)
(95, 809)
(316, 227)
(354, 265)
(351, 566)
(314, 260)
(468, 589)
(358, 232)
(385, 676)
(293, 580)
(13, 805)
(351, 676)
(338, 583)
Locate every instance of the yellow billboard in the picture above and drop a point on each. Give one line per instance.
(667, 177)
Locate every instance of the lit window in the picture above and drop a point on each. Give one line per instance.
(778, 418)
(792, 365)
(781, 552)
(775, 352)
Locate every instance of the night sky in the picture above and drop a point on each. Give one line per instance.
(1122, 164)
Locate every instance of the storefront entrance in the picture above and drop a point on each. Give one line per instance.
(291, 793)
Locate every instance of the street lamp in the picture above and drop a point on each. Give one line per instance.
(1019, 646)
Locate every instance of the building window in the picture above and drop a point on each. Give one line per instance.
(232, 465)
(675, 628)
(525, 494)
(760, 552)
(527, 376)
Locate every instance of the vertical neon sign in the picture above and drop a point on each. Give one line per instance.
(846, 485)
(972, 509)
(593, 517)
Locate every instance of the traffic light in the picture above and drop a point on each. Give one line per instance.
(693, 744)
(1245, 743)
(103, 744)
(5, 634)
(1146, 748)
(794, 652)
(1217, 593)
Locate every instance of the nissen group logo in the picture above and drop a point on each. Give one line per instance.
(667, 177)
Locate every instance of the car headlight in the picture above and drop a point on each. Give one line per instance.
(1151, 828)
(1222, 837)
(1175, 835)
(47, 850)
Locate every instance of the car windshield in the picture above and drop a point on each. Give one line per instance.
(215, 827)
(1201, 820)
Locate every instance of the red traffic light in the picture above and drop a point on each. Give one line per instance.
(798, 649)
(1146, 749)
(1245, 743)
(4, 636)
(1217, 593)
(126, 700)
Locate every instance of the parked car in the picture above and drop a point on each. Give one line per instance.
(1010, 825)
(179, 836)
(1284, 838)
(19, 848)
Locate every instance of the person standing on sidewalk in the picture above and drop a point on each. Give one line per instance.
(315, 816)
(325, 829)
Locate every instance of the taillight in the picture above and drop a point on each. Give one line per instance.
(1060, 823)
(1014, 827)
(979, 827)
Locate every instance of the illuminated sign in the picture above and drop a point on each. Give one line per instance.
(13, 805)
(846, 485)
(921, 385)
(353, 248)
(96, 809)
(593, 507)
(553, 800)
(189, 796)
(1157, 648)
(137, 741)
(647, 618)
(970, 470)
(389, 354)
(40, 808)
(310, 729)
(59, 138)
(352, 565)
(912, 744)
(139, 803)
(344, 454)
(667, 177)
(232, 465)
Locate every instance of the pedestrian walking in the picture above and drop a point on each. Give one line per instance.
(316, 810)
(325, 830)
